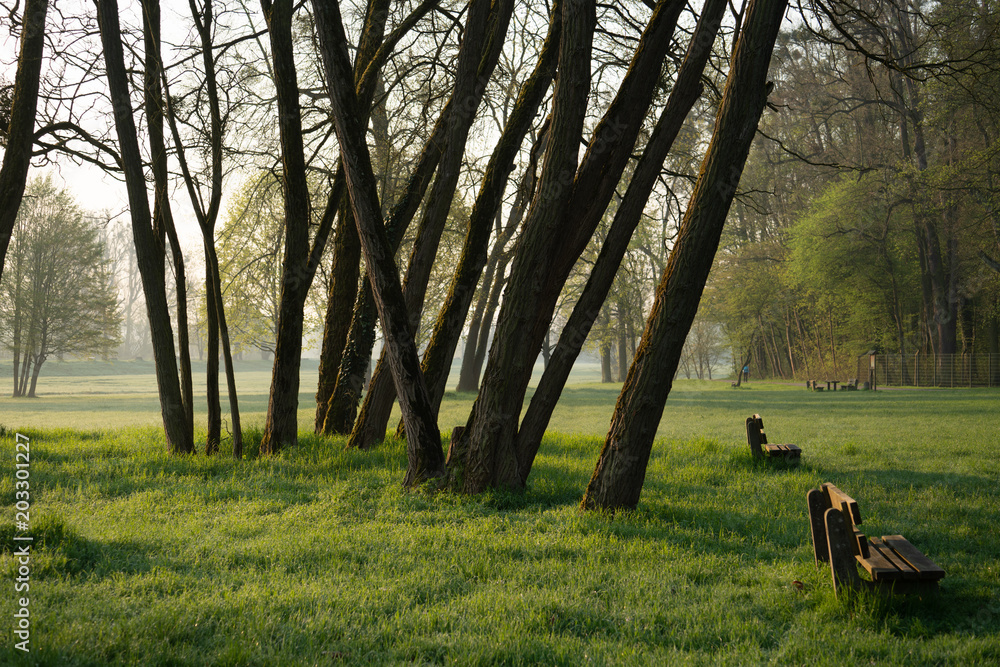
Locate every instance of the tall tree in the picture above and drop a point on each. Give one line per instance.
(150, 247)
(19, 132)
(207, 214)
(687, 88)
(424, 453)
(301, 258)
(474, 68)
(163, 219)
(444, 145)
(621, 468)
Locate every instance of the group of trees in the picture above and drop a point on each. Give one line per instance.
(415, 170)
(870, 221)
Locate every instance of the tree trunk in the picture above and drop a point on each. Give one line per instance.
(606, 376)
(462, 282)
(343, 286)
(466, 379)
(149, 251)
(21, 131)
(623, 353)
(39, 360)
(424, 453)
(788, 343)
(217, 328)
(342, 405)
(300, 260)
(346, 263)
(483, 344)
(340, 408)
(621, 469)
(547, 349)
(163, 220)
(214, 425)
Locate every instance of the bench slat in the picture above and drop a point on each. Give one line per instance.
(784, 450)
(885, 565)
(924, 566)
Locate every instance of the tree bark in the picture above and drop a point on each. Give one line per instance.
(466, 380)
(424, 453)
(618, 477)
(214, 422)
(341, 407)
(20, 133)
(217, 329)
(347, 372)
(606, 378)
(149, 250)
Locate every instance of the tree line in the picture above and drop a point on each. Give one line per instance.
(870, 221)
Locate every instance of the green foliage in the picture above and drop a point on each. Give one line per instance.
(852, 253)
(251, 247)
(319, 556)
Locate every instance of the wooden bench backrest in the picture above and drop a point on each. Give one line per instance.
(755, 435)
(843, 502)
(829, 496)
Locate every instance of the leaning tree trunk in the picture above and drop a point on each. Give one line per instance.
(483, 454)
(149, 251)
(424, 453)
(621, 469)
(686, 91)
(343, 374)
(475, 67)
(341, 407)
(564, 215)
(477, 58)
(346, 263)
(344, 273)
(21, 128)
(466, 382)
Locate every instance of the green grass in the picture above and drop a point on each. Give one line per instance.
(318, 556)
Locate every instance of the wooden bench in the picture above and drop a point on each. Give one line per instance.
(759, 446)
(892, 562)
(850, 385)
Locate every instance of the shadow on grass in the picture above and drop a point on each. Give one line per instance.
(57, 550)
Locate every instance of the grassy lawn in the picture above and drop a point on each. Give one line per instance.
(317, 556)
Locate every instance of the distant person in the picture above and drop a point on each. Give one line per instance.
(746, 373)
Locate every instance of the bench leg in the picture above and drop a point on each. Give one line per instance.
(843, 566)
(818, 503)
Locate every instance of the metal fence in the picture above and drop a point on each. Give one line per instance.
(930, 370)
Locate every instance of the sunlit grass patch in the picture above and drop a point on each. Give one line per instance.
(319, 556)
